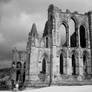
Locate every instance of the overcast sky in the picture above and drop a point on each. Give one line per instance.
(17, 17)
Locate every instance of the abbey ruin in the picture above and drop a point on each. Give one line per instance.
(54, 58)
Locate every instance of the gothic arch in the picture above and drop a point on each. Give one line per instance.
(75, 53)
(64, 53)
(74, 31)
(85, 62)
(18, 72)
(44, 63)
(64, 22)
(86, 53)
(75, 63)
(82, 32)
(75, 20)
(44, 66)
(63, 33)
(19, 65)
(61, 63)
(45, 55)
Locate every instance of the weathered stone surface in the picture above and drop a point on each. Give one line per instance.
(44, 54)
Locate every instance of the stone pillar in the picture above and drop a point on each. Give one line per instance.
(80, 66)
(78, 36)
(69, 65)
(64, 65)
(88, 39)
(67, 37)
(80, 77)
(90, 32)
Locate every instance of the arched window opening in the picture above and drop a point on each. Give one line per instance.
(72, 32)
(61, 37)
(24, 77)
(19, 65)
(18, 75)
(85, 64)
(18, 72)
(46, 42)
(61, 64)
(73, 65)
(82, 37)
(43, 66)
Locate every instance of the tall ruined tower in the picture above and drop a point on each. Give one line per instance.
(32, 53)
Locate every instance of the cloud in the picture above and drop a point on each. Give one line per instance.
(17, 17)
(2, 39)
(16, 28)
(4, 1)
(20, 46)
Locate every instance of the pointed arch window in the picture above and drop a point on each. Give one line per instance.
(82, 37)
(46, 42)
(61, 35)
(73, 65)
(61, 64)
(18, 72)
(72, 32)
(85, 64)
(43, 66)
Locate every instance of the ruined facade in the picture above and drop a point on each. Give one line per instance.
(18, 66)
(50, 61)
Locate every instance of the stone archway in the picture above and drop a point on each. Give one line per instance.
(43, 66)
(73, 65)
(85, 64)
(61, 64)
(18, 72)
(72, 31)
(62, 35)
(82, 36)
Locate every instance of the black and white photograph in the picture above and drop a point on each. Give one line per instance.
(46, 45)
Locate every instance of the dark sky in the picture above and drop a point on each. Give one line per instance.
(17, 17)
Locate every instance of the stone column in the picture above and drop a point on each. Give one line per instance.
(78, 36)
(64, 65)
(87, 39)
(80, 68)
(67, 36)
(90, 32)
(69, 65)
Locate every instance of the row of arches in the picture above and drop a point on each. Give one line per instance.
(75, 64)
(68, 33)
